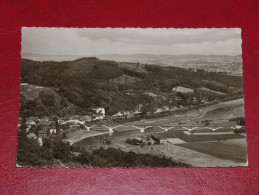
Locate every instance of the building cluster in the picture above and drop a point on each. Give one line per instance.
(143, 140)
(45, 127)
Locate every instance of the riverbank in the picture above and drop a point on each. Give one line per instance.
(190, 118)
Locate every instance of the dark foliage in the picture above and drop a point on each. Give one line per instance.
(113, 157)
(55, 152)
(47, 99)
(29, 153)
(239, 120)
(88, 83)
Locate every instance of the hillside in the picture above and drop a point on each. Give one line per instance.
(78, 86)
(43, 101)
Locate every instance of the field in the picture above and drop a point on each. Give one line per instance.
(234, 149)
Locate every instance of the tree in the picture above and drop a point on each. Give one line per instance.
(29, 152)
(47, 99)
(61, 150)
(48, 133)
(64, 135)
(166, 86)
(157, 140)
(57, 125)
(147, 108)
(23, 126)
(63, 102)
(182, 95)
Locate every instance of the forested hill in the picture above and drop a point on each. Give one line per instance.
(90, 82)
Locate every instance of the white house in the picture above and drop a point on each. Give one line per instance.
(29, 124)
(182, 89)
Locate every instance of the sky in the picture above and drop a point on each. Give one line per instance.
(100, 41)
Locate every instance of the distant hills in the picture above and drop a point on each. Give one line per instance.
(215, 63)
(58, 58)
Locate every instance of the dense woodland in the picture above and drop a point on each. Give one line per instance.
(89, 82)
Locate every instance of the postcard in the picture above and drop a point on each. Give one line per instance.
(131, 97)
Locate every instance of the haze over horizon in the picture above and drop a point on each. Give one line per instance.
(131, 54)
(131, 41)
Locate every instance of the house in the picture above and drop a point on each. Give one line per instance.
(32, 136)
(205, 100)
(43, 128)
(137, 114)
(73, 123)
(29, 124)
(99, 114)
(46, 128)
(79, 124)
(34, 118)
(182, 89)
(158, 110)
(195, 99)
(164, 141)
(40, 141)
(121, 114)
(151, 94)
(52, 128)
(46, 118)
(42, 133)
(85, 118)
(118, 115)
(147, 140)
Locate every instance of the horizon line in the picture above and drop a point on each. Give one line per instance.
(81, 55)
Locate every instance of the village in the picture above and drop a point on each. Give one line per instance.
(40, 128)
(54, 126)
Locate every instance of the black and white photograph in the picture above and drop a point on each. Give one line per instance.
(131, 97)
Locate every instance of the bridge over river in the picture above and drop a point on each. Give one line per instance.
(142, 128)
(188, 130)
(192, 122)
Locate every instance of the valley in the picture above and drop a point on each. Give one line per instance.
(88, 111)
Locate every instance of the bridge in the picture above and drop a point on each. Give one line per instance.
(143, 128)
(111, 128)
(88, 128)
